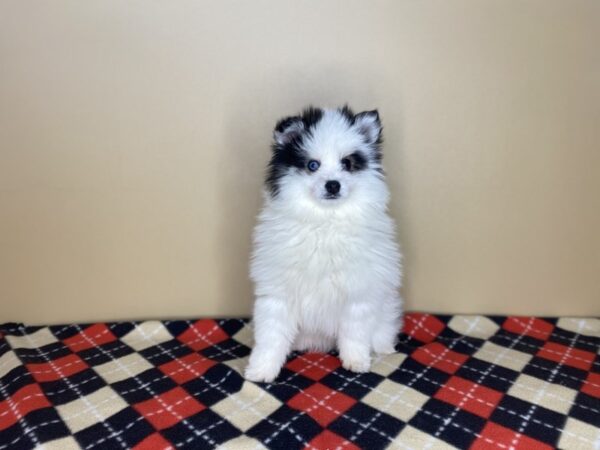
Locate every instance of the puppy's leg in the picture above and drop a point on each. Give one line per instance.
(354, 340)
(274, 332)
(389, 325)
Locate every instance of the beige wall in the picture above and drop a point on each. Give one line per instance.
(133, 137)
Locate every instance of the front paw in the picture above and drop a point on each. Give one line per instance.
(385, 350)
(356, 363)
(261, 371)
(384, 347)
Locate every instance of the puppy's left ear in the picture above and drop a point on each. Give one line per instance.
(287, 130)
(368, 124)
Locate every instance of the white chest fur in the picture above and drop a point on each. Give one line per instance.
(318, 266)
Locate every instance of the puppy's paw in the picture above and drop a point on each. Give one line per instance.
(383, 345)
(356, 363)
(261, 372)
(385, 349)
(385, 339)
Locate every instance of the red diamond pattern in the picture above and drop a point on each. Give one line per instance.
(321, 403)
(154, 442)
(169, 408)
(529, 326)
(439, 356)
(494, 436)
(57, 369)
(22, 402)
(314, 365)
(92, 336)
(330, 440)
(187, 368)
(591, 385)
(202, 334)
(423, 327)
(567, 355)
(469, 396)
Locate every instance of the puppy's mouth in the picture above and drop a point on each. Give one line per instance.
(331, 196)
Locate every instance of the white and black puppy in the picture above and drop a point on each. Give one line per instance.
(326, 266)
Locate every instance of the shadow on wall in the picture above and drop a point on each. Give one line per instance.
(251, 117)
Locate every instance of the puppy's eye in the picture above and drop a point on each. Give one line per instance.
(313, 165)
(347, 164)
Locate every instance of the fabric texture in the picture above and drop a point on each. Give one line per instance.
(467, 382)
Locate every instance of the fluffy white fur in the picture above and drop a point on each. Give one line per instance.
(326, 272)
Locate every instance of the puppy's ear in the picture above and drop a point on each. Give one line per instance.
(287, 130)
(368, 124)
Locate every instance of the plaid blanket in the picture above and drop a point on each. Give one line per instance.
(456, 382)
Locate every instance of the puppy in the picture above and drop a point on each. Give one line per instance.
(325, 265)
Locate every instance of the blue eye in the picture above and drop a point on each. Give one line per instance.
(313, 165)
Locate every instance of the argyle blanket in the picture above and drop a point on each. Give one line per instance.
(455, 382)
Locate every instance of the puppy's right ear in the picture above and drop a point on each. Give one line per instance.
(287, 130)
(369, 125)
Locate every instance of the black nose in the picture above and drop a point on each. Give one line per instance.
(332, 186)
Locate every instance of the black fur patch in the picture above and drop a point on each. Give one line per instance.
(291, 154)
(311, 116)
(347, 113)
(358, 161)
